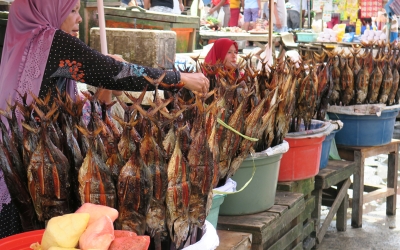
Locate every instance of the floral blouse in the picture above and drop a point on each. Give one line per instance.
(70, 58)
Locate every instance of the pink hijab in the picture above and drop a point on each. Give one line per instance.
(30, 30)
(219, 50)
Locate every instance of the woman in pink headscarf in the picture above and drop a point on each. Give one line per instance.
(39, 53)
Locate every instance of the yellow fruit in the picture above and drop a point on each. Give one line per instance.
(64, 231)
(62, 248)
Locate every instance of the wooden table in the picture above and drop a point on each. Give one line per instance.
(358, 155)
(263, 38)
(337, 173)
(277, 228)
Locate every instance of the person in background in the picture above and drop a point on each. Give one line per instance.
(165, 6)
(224, 50)
(126, 3)
(265, 11)
(235, 11)
(293, 13)
(216, 7)
(280, 16)
(38, 50)
(251, 11)
(366, 23)
(178, 7)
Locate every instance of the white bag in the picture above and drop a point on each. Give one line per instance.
(220, 17)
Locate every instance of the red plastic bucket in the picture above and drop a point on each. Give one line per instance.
(302, 160)
(21, 241)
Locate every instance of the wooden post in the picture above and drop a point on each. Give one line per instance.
(301, 14)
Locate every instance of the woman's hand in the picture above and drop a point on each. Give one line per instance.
(196, 82)
(117, 58)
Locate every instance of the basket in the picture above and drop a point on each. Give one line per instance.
(306, 37)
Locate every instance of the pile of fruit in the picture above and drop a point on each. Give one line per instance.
(90, 227)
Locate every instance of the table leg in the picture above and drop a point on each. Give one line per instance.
(392, 176)
(341, 215)
(358, 190)
(316, 214)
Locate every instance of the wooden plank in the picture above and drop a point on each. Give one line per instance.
(151, 15)
(341, 215)
(370, 151)
(302, 186)
(380, 193)
(333, 210)
(309, 208)
(265, 225)
(335, 172)
(299, 246)
(289, 219)
(308, 228)
(358, 190)
(316, 214)
(286, 198)
(229, 240)
(155, 24)
(309, 243)
(392, 179)
(288, 238)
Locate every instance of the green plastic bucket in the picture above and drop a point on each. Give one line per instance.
(259, 195)
(212, 216)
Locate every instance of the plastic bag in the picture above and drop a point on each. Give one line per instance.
(220, 16)
(348, 37)
(340, 29)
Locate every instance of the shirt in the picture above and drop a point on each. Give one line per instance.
(282, 14)
(70, 58)
(216, 2)
(235, 4)
(251, 4)
(296, 5)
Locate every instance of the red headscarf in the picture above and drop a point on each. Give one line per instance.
(219, 50)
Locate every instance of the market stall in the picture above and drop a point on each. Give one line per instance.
(158, 164)
(184, 26)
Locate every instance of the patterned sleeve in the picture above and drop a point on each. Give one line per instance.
(69, 57)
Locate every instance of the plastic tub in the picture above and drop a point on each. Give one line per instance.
(302, 160)
(212, 216)
(259, 195)
(326, 147)
(306, 37)
(21, 241)
(365, 130)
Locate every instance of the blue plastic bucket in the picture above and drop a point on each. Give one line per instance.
(365, 130)
(326, 147)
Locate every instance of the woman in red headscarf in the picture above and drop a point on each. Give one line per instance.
(223, 51)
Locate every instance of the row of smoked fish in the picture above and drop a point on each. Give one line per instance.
(157, 165)
(363, 75)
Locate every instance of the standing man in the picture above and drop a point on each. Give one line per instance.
(293, 13)
(251, 11)
(217, 5)
(280, 16)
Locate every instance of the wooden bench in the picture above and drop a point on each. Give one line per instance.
(337, 173)
(305, 187)
(229, 240)
(358, 155)
(277, 228)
